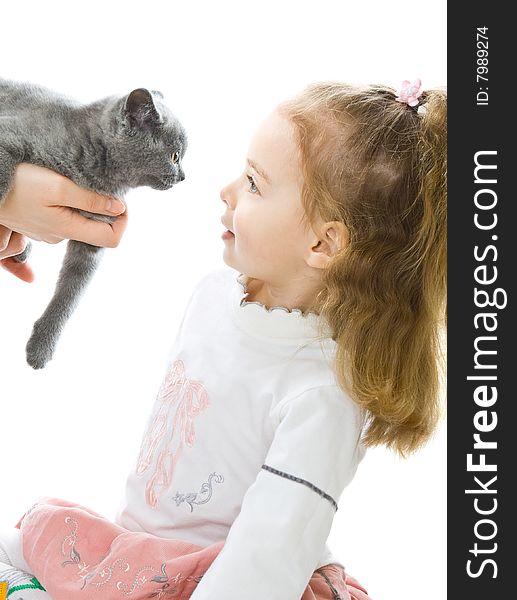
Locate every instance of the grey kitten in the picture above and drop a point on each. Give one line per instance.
(109, 146)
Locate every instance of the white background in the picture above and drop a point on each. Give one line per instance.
(73, 429)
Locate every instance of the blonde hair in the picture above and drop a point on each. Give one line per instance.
(379, 166)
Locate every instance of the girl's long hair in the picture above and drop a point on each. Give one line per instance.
(379, 166)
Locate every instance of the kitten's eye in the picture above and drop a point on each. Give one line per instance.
(175, 157)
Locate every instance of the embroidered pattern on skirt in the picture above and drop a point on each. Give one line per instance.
(191, 497)
(147, 574)
(304, 482)
(167, 588)
(166, 437)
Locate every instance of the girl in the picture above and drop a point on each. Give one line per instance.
(328, 342)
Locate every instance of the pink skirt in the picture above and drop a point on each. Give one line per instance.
(78, 555)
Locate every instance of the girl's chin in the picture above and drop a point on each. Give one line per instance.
(229, 260)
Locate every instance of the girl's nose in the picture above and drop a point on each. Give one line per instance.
(226, 195)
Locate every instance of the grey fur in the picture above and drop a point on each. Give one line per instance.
(109, 146)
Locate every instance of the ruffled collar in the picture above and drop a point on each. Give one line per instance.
(278, 322)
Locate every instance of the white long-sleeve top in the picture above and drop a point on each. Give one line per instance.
(251, 441)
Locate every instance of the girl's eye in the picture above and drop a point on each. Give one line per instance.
(253, 188)
(175, 157)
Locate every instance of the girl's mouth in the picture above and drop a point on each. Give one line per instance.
(227, 235)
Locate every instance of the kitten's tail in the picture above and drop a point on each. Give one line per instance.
(79, 265)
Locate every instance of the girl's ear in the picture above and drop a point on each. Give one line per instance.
(330, 239)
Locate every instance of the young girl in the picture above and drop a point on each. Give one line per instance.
(328, 342)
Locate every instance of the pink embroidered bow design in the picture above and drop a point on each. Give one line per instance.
(410, 92)
(180, 401)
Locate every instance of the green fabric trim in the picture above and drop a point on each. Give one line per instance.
(33, 585)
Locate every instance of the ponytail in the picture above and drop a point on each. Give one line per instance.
(433, 157)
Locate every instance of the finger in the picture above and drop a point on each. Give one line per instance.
(12, 245)
(75, 196)
(118, 228)
(5, 236)
(96, 233)
(21, 270)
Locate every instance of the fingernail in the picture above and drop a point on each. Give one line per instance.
(115, 206)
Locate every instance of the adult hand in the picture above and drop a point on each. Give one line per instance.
(12, 244)
(40, 206)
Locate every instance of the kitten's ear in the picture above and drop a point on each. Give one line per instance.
(140, 109)
(157, 93)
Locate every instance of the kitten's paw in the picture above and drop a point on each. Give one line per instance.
(37, 358)
(39, 349)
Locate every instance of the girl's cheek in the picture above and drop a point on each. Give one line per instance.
(242, 223)
(247, 244)
(250, 237)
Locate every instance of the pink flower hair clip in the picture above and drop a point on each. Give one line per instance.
(410, 92)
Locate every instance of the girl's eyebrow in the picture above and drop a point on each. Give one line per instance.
(260, 171)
